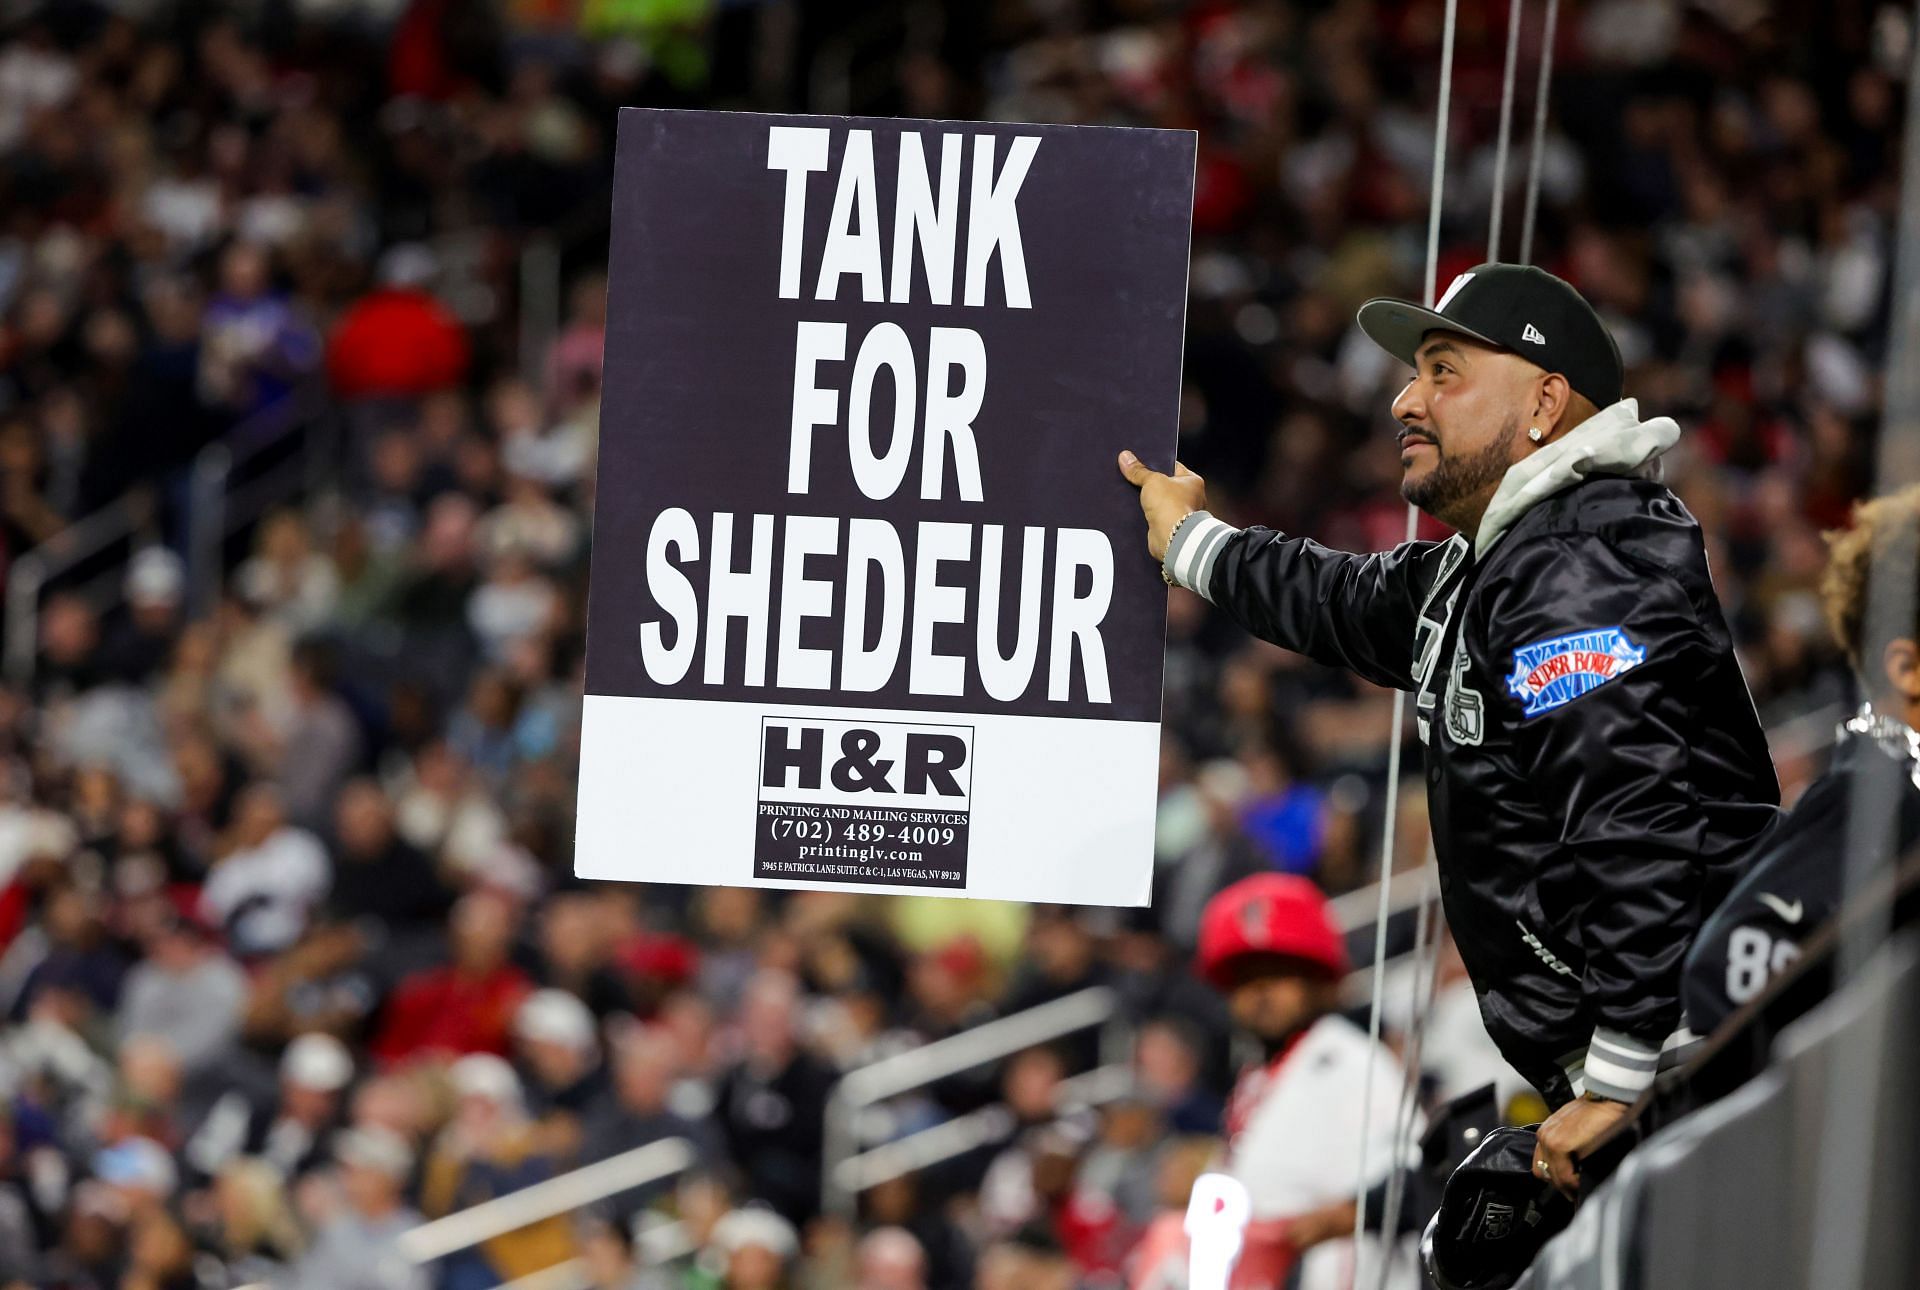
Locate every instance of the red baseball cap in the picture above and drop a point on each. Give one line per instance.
(1269, 913)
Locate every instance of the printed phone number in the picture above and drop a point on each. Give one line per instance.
(915, 835)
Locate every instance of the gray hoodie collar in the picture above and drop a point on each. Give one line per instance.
(1613, 441)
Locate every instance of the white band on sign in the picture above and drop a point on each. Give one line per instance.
(1217, 1214)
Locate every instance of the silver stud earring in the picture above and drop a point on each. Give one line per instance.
(1533, 433)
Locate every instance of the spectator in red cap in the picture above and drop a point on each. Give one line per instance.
(397, 339)
(1293, 1124)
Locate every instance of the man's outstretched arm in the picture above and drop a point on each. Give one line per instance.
(1359, 612)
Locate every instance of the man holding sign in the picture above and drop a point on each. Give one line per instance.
(855, 620)
(1596, 773)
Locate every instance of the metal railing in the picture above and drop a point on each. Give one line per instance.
(217, 508)
(655, 1162)
(1354, 910)
(919, 1067)
(964, 1133)
(230, 488)
(118, 521)
(540, 306)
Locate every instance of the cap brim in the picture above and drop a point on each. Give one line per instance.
(1398, 326)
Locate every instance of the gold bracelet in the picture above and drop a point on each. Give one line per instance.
(1164, 575)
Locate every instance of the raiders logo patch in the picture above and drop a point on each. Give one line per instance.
(1551, 673)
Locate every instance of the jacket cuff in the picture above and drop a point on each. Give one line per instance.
(1619, 1066)
(1195, 547)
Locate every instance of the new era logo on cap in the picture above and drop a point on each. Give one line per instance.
(1532, 333)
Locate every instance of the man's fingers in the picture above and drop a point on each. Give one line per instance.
(1565, 1176)
(1136, 471)
(1180, 471)
(1561, 1171)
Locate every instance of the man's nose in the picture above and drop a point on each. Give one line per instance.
(1410, 407)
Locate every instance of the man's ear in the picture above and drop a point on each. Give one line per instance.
(1901, 662)
(1554, 404)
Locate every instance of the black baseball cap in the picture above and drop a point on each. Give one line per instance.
(1515, 307)
(1494, 1215)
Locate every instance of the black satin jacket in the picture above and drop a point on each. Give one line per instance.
(1596, 773)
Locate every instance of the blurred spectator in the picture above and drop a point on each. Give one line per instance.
(446, 812)
(377, 874)
(139, 644)
(317, 744)
(160, 1256)
(640, 1111)
(356, 1247)
(910, 1202)
(890, 1258)
(188, 990)
(19, 1241)
(288, 1128)
(270, 879)
(69, 955)
(325, 982)
(1029, 1261)
(286, 579)
(1283, 817)
(467, 1005)
(68, 660)
(559, 1049)
(1219, 855)
(138, 1172)
(606, 1251)
(772, 1102)
(754, 1249)
(397, 339)
(492, 1147)
(255, 1234)
(1062, 959)
(1167, 1061)
(256, 347)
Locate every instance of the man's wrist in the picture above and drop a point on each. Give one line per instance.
(1166, 575)
(1192, 548)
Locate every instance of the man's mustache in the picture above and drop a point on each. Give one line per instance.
(1416, 436)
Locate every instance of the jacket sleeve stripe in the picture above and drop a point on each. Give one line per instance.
(1619, 1066)
(1622, 1050)
(1208, 554)
(1195, 547)
(1184, 546)
(1619, 1083)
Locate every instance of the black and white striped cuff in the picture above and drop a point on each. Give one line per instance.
(1196, 545)
(1619, 1066)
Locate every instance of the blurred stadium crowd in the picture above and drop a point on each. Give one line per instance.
(290, 952)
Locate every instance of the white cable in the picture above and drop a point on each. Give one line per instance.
(1535, 160)
(1426, 936)
(1426, 958)
(1506, 133)
(1426, 939)
(1400, 696)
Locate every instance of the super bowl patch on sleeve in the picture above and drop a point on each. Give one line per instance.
(1550, 673)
